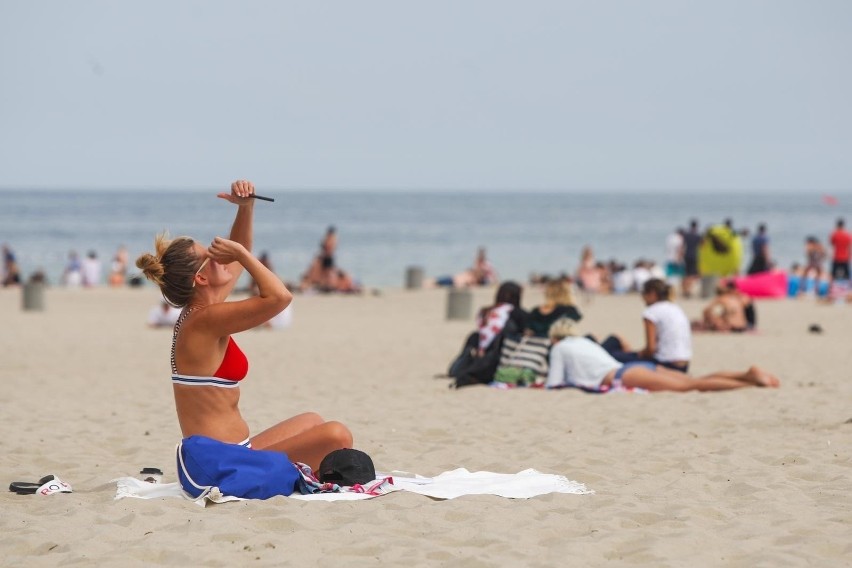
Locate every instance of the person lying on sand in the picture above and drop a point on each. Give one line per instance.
(580, 362)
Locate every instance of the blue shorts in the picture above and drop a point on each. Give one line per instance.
(674, 269)
(616, 382)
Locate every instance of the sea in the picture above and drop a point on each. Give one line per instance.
(382, 233)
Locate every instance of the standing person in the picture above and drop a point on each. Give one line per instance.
(91, 270)
(207, 365)
(328, 246)
(674, 254)
(814, 258)
(760, 251)
(691, 244)
(841, 241)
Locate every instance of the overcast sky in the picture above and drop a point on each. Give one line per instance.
(551, 94)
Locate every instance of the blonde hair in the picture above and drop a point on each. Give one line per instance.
(562, 328)
(558, 292)
(172, 267)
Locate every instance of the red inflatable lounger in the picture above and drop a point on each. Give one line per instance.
(771, 284)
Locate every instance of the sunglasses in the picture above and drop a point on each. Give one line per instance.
(200, 268)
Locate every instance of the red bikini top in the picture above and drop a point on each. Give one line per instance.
(234, 366)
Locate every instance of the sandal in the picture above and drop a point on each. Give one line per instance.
(28, 488)
(44, 486)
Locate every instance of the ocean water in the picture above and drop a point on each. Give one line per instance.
(381, 233)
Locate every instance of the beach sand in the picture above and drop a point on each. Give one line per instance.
(754, 477)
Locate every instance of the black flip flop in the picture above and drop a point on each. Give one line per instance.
(28, 488)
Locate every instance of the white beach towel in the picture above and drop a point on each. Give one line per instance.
(448, 485)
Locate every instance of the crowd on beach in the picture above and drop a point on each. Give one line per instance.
(85, 272)
(718, 252)
(510, 347)
(323, 275)
(541, 348)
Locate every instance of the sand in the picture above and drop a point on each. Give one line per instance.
(743, 478)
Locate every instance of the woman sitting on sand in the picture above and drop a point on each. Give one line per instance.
(558, 303)
(480, 355)
(207, 365)
(505, 314)
(728, 311)
(580, 362)
(668, 335)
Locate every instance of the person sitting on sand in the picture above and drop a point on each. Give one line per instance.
(207, 365)
(580, 362)
(163, 315)
(589, 274)
(506, 313)
(668, 336)
(482, 273)
(346, 284)
(322, 273)
(11, 271)
(558, 302)
(480, 354)
(726, 312)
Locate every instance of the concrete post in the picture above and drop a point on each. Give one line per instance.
(413, 278)
(33, 296)
(459, 304)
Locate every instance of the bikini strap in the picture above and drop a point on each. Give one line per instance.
(178, 323)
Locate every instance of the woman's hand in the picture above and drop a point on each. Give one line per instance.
(240, 192)
(224, 251)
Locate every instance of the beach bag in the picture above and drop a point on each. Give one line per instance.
(470, 368)
(529, 354)
(237, 471)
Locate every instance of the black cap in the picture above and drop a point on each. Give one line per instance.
(347, 467)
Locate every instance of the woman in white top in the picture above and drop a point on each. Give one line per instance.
(580, 362)
(668, 332)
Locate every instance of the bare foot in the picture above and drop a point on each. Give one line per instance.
(762, 378)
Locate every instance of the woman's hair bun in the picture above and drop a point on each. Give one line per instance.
(151, 267)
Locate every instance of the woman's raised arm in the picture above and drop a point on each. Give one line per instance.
(242, 231)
